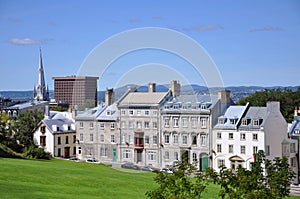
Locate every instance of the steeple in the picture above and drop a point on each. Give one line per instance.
(40, 91)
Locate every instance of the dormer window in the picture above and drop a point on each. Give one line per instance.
(256, 122)
(232, 121)
(245, 122)
(221, 120)
(203, 106)
(108, 113)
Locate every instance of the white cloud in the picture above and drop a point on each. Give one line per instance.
(25, 41)
(266, 28)
(207, 27)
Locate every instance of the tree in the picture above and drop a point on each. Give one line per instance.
(25, 125)
(179, 184)
(269, 181)
(287, 98)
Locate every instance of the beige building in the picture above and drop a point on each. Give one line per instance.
(98, 132)
(76, 90)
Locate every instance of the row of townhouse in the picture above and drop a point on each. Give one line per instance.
(160, 128)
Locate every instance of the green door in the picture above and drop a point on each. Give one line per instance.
(114, 155)
(204, 162)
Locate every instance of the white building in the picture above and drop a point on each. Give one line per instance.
(56, 134)
(244, 130)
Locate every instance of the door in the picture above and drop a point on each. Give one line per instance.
(203, 162)
(114, 155)
(67, 152)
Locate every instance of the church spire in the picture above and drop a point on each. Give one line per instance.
(41, 93)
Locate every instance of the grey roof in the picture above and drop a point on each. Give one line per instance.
(231, 117)
(60, 120)
(109, 114)
(90, 114)
(143, 98)
(255, 113)
(295, 126)
(26, 105)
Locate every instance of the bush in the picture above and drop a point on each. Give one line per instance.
(37, 153)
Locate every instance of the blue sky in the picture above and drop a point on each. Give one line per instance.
(251, 42)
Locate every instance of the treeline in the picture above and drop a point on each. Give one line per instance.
(288, 100)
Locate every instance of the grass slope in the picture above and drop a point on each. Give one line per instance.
(54, 178)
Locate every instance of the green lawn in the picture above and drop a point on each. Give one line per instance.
(65, 179)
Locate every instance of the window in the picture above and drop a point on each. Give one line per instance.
(175, 121)
(242, 136)
(232, 121)
(167, 139)
(184, 122)
(155, 125)
(184, 139)
(79, 150)
(146, 139)
(101, 125)
(194, 157)
(43, 141)
(194, 139)
(126, 154)
(255, 149)
(154, 139)
(59, 140)
(203, 122)
(91, 138)
(130, 139)
(254, 136)
(103, 152)
(122, 112)
(138, 112)
(74, 150)
(74, 138)
(167, 155)
(219, 135)
(151, 155)
(146, 112)
(243, 149)
(123, 139)
(268, 150)
(230, 148)
(146, 125)
(194, 122)
(112, 125)
(244, 122)
(43, 129)
(123, 124)
(101, 138)
(81, 136)
(176, 156)
(292, 148)
(166, 121)
(80, 124)
(154, 112)
(108, 113)
(293, 162)
(219, 148)
(221, 163)
(112, 138)
(230, 136)
(139, 125)
(130, 112)
(256, 122)
(67, 139)
(203, 140)
(91, 125)
(175, 138)
(131, 125)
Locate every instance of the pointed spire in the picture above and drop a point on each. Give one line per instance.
(40, 89)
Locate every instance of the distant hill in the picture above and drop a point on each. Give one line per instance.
(237, 92)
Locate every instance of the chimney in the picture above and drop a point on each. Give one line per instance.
(224, 96)
(175, 88)
(74, 111)
(297, 111)
(273, 106)
(109, 96)
(151, 87)
(47, 112)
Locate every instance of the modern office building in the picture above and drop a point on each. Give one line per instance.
(76, 90)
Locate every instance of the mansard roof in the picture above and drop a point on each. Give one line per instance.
(59, 122)
(109, 114)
